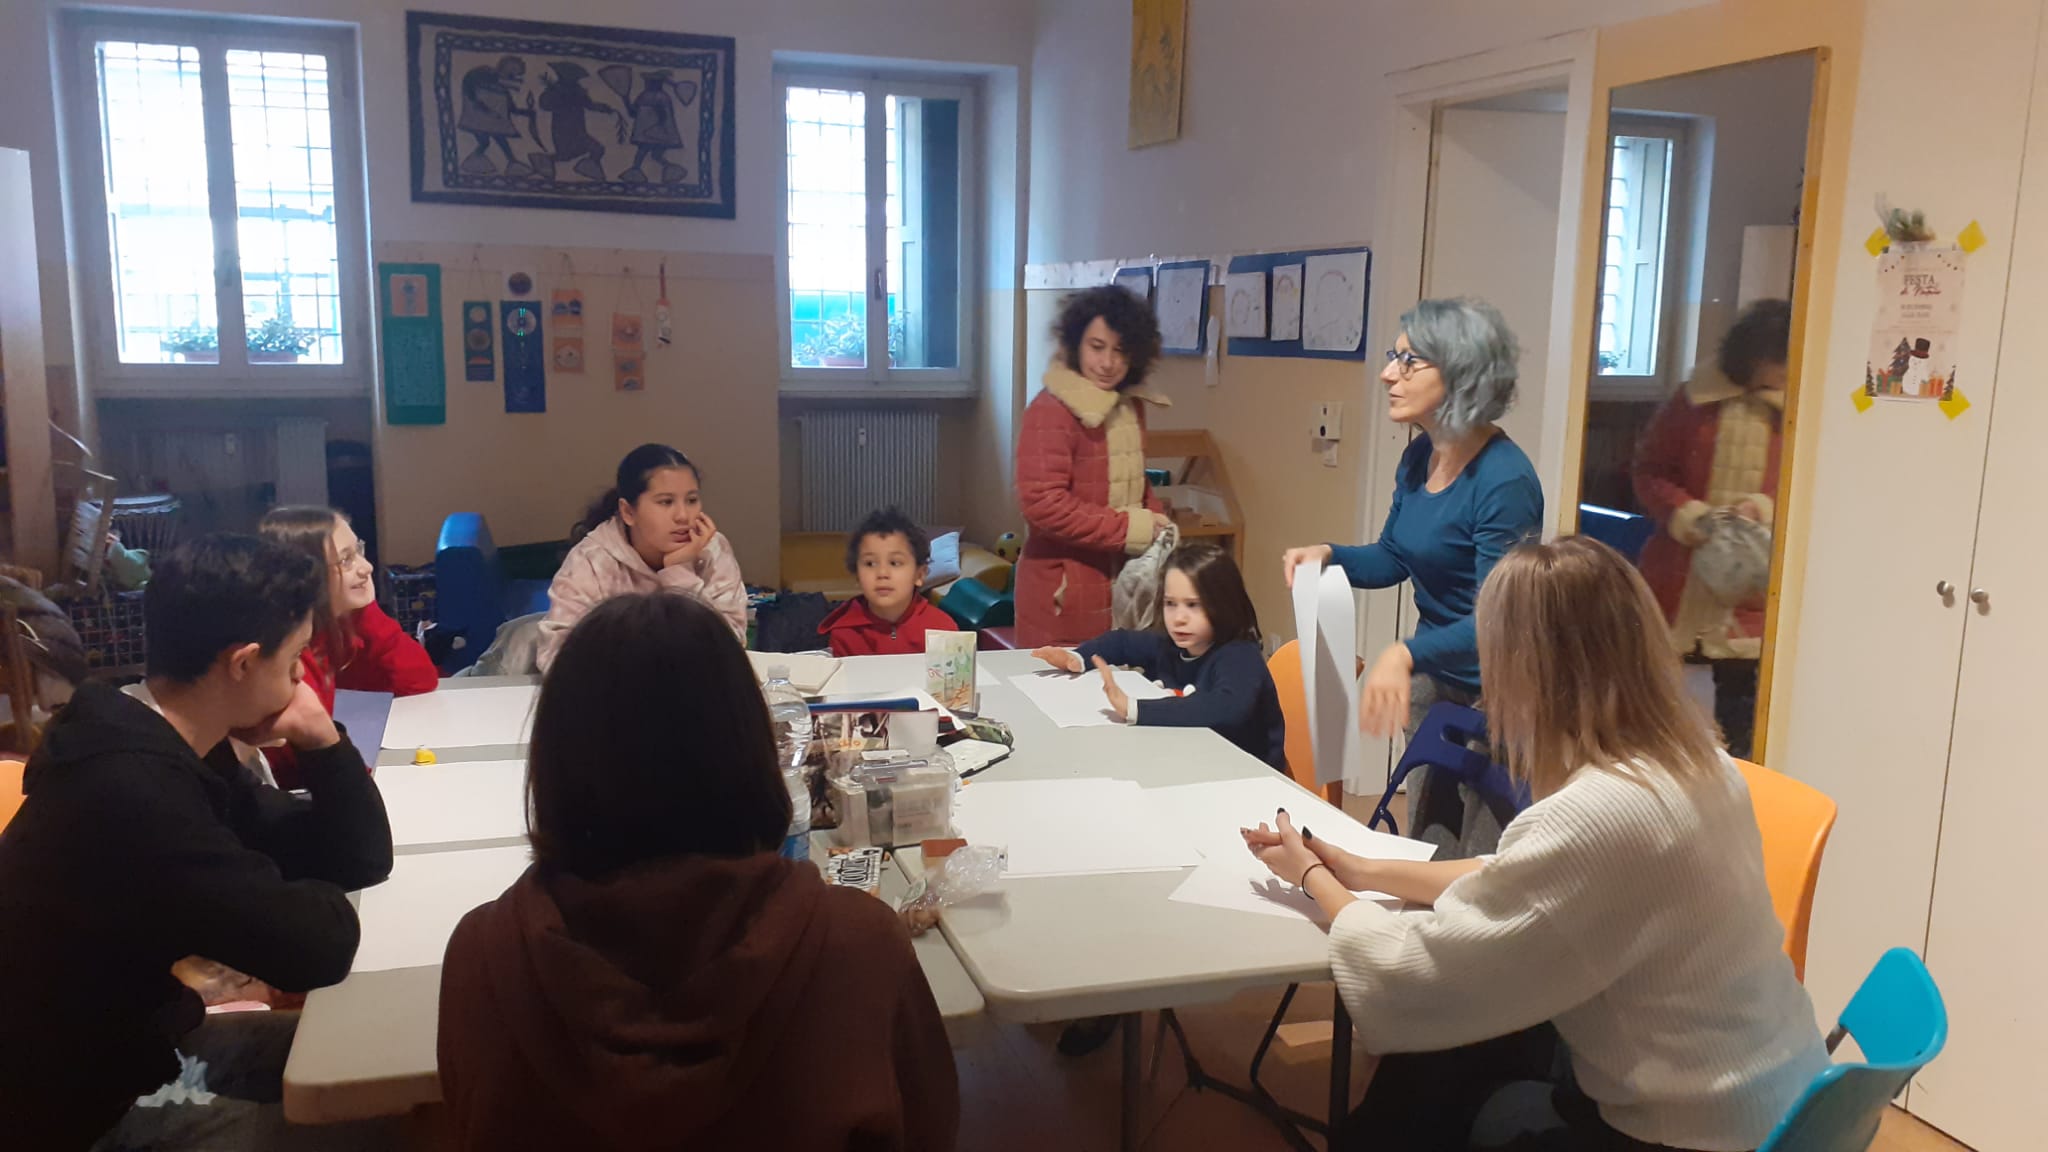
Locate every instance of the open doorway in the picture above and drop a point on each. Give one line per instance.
(1496, 178)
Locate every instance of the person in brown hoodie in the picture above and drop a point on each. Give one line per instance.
(661, 976)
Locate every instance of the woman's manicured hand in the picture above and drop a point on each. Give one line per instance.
(1281, 848)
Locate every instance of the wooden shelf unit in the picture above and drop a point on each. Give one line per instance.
(1199, 462)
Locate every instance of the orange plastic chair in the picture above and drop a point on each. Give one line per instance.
(10, 791)
(1285, 665)
(1795, 819)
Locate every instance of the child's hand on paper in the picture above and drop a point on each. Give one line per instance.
(1064, 659)
(1295, 557)
(1118, 701)
(1281, 848)
(1383, 702)
(701, 533)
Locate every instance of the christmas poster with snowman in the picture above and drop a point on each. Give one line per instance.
(1919, 309)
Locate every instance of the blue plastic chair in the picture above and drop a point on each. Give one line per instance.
(1443, 741)
(1625, 532)
(1899, 1022)
(471, 595)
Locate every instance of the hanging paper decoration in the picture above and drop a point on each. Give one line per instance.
(525, 363)
(664, 326)
(565, 328)
(479, 355)
(415, 375)
(629, 352)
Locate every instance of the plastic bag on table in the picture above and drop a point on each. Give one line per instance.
(963, 874)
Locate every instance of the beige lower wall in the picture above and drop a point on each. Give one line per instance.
(712, 395)
(1259, 412)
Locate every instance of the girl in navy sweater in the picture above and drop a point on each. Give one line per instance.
(1209, 653)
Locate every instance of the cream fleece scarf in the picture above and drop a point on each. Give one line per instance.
(1117, 414)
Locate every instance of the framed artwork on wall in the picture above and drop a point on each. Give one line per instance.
(529, 114)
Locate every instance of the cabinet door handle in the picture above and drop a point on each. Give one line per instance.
(1944, 589)
(1979, 596)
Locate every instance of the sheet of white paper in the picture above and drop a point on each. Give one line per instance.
(462, 718)
(1286, 304)
(407, 919)
(1078, 827)
(1181, 291)
(1333, 302)
(455, 802)
(1072, 701)
(1230, 876)
(1326, 628)
(808, 671)
(1244, 305)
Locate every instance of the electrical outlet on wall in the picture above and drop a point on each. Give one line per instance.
(1329, 420)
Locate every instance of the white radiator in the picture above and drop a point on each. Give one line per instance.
(858, 460)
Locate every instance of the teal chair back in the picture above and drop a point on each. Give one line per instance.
(1900, 1024)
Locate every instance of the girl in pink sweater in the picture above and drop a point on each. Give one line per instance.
(649, 533)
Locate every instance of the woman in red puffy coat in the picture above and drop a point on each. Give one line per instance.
(1081, 469)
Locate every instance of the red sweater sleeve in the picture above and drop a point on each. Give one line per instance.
(389, 660)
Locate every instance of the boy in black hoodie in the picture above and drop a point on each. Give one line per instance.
(143, 841)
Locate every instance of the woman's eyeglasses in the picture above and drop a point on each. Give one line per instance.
(1408, 361)
(348, 559)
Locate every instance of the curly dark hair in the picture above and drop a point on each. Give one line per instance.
(1127, 316)
(1761, 335)
(889, 522)
(220, 592)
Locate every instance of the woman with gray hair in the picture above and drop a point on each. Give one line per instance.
(1464, 494)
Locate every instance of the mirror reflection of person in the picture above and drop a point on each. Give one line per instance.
(1714, 446)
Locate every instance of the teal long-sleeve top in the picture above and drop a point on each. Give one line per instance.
(1444, 544)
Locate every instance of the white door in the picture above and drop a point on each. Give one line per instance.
(1492, 229)
(1877, 651)
(1987, 943)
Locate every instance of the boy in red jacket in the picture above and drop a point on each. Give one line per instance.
(891, 556)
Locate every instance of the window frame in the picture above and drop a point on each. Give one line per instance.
(234, 376)
(1677, 134)
(878, 379)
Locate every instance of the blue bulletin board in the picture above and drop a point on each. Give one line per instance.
(1267, 262)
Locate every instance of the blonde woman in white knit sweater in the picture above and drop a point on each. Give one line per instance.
(1625, 917)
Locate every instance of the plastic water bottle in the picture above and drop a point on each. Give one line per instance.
(791, 718)
(797, 845)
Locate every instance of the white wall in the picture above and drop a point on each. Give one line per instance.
(1280, 120)
(1493, 207)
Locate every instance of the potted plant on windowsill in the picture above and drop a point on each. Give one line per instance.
(276, 342)
(193, 344)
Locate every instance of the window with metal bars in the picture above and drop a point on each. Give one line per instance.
(222, 186)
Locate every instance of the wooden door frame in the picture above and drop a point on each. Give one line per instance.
(1413, 97)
